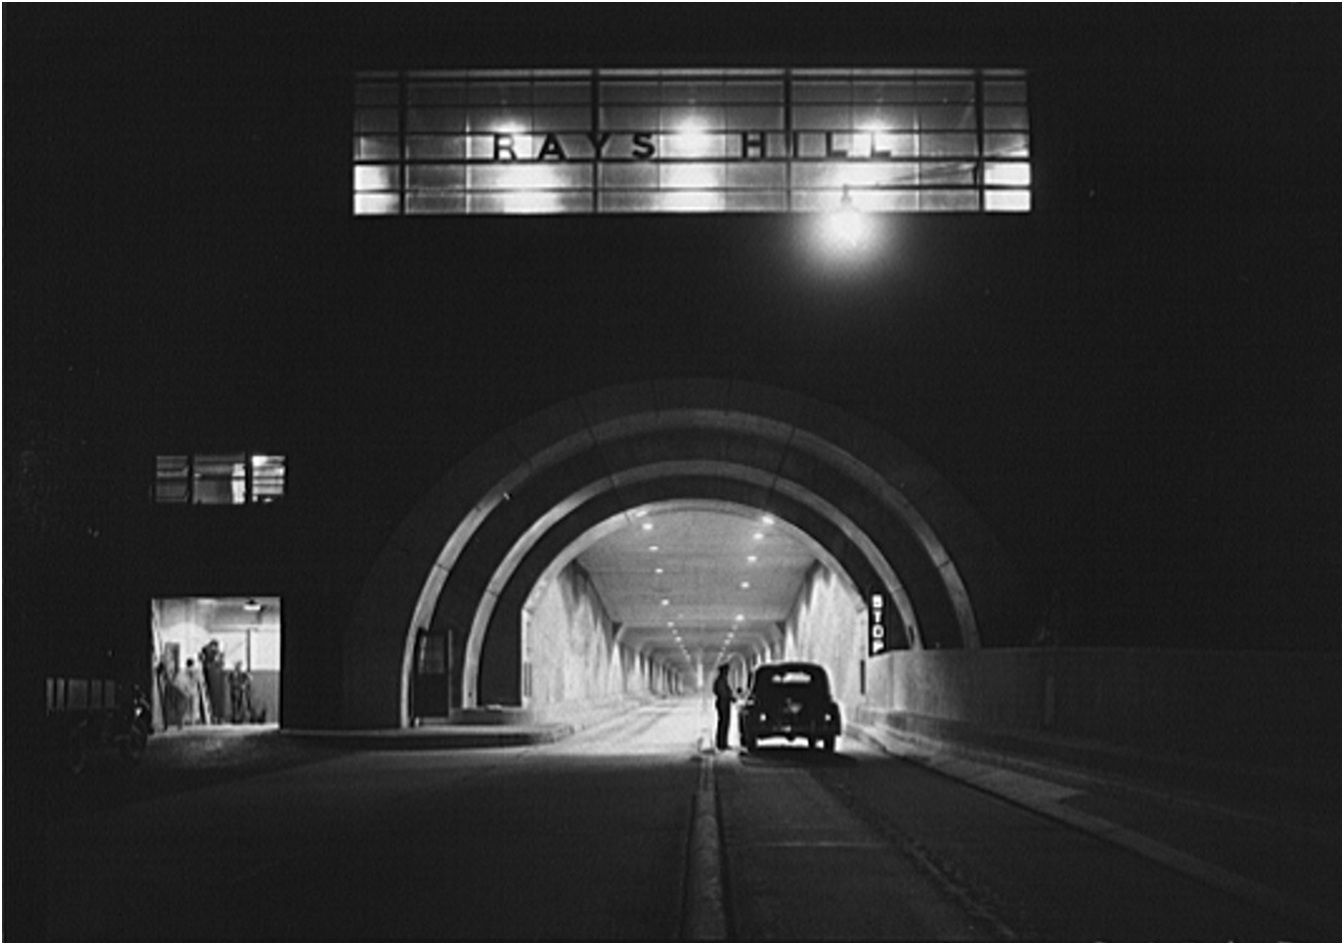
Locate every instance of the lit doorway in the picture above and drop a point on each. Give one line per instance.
(216, 661)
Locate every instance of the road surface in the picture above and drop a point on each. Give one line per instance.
(630, 830)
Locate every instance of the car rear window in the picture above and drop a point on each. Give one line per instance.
(791, 679)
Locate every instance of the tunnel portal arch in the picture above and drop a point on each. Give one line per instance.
(470, 552)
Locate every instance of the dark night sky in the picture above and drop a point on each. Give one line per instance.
(1155, 350)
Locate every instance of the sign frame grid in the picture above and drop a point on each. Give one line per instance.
(954, 140)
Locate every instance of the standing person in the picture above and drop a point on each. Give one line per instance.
(723, 706)
(240, 694)
(216, 681)
(174, 708)
(197, 704)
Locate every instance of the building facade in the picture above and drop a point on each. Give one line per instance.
(297, 310)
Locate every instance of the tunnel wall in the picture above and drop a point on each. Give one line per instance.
(1257, 708)
(571, 653)
(827, 626)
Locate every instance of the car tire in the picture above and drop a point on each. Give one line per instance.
(749, 742)
(828, 744)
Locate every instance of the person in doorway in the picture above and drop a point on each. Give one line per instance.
(173, 699)
(198, 705)
(240, 694)
(723, 707)
(216, 680)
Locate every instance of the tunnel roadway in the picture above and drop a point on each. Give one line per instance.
(592, 839)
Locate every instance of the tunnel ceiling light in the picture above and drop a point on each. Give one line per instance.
(666, 602)
(647, 526)
(658, 570)
(767, 520)
(758, 536)
(744, 585)
(752, 559)
(653, 547)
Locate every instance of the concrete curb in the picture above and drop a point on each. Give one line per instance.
(1042, 797)
(704, 919)
(498, 732)
(438, 738)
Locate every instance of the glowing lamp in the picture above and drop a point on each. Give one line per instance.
(847, 231)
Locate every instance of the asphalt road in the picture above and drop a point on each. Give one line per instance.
(595, 838)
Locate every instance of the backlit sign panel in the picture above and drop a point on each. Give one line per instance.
(700, 141)
(880, 638)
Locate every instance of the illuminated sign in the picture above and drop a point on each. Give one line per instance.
(708, 141)
(880, 638)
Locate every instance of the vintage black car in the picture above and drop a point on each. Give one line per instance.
(789, 700)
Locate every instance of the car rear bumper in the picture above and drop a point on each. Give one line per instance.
(772, 728)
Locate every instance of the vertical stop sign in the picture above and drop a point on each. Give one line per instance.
(879, 629)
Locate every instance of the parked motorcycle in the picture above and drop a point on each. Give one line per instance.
(127, 727)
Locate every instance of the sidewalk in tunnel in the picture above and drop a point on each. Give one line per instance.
(485, 728)
(1276, 844)
(477, 728)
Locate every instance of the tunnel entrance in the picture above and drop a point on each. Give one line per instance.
(467, 565)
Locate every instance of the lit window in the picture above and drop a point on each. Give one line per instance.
(218, 478)
(691, 140)
(172, 480)
(268, 478)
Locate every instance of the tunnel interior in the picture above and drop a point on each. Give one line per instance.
(652, 600)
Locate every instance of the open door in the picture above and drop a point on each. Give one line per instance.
(429, 680)
(216, 660)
